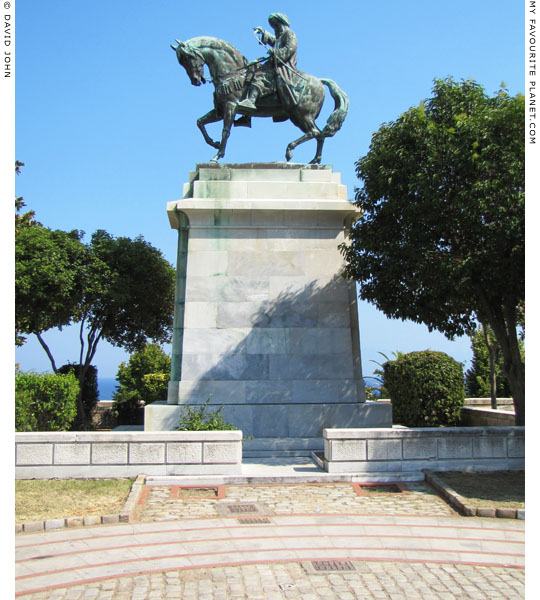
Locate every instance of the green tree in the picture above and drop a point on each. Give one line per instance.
(48, 282)
(143, 379)
(483, 379)
(117, 289)
(26, 219)
(441, 240)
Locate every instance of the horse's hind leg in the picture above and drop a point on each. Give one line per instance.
(311, 131)
(318, 154)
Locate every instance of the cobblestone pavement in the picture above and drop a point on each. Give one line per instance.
(159, 503)
(291, 581)
(438, 554)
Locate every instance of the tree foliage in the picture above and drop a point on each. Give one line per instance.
(117, 289)
(143, 379)
(48, 282)
(26, 219)
(441, 239)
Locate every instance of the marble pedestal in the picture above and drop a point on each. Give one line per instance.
(264, 323)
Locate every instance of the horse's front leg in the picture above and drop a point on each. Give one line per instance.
(228, 117)
(209, 117)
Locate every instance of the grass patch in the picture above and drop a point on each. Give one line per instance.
(40, 499)
(500, 489)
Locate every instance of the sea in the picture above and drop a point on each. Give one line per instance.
(106, 387)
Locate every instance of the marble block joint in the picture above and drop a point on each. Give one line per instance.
(264, 323)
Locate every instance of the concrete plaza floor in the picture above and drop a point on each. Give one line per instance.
(269, 537)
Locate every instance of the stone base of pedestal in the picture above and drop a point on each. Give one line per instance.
(265, 325)
(280, 420)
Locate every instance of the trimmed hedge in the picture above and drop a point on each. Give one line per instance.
(45, 402)
(426, 389)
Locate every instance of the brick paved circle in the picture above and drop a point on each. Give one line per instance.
(160, 504)
(334, 521)
(291, 581)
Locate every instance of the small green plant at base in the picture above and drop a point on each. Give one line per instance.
(202, 419)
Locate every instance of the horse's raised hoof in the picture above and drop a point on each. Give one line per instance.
(288, 155)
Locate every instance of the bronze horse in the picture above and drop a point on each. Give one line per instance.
(230, 72)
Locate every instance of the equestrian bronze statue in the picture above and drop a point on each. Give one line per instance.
(267, 87)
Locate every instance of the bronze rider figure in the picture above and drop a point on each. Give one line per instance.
(279, 73)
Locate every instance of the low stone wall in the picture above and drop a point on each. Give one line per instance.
(474, 416)
(409, 450)
(486, 402)
(127, 454)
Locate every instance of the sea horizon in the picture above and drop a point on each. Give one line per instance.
(106, 387)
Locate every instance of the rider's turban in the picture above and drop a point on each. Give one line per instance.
(279, 17)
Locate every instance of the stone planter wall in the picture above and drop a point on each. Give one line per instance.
(127, 454)
(409, 450)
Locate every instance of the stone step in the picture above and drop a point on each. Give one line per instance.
(274, 453)
(276, 447)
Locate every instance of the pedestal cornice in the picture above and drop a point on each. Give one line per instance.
(268, 187)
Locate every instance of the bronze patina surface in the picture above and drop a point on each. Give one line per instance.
(271, 86)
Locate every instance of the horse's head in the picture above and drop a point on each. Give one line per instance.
(191, 60)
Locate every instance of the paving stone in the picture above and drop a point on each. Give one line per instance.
(34, 526)
(369, 581)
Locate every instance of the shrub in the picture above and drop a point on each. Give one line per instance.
(90, 392)
(200, 419)
(143, 379)
(426, 389)
(45, 402)
(128, 409)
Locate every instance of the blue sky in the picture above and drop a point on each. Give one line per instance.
(106, 118)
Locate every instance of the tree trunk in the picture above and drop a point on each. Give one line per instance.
(93, 338)
(492, 351)
(47, 351)
(504, 327)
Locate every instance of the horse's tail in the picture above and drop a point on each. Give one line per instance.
(341, 100)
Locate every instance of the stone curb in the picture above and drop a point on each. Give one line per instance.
(459, 502)
(125, 516)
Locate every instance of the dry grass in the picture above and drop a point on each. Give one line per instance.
(500, 489)
(36, 500)
(194, 492)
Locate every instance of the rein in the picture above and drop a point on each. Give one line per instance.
(258, 60)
